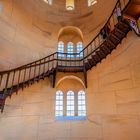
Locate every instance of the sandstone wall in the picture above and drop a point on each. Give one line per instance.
(29, 30)
(113, 103)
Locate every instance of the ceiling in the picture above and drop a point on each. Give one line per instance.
(51, 18)
(30, 29)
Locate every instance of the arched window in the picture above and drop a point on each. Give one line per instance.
(81, 103)
(79, 49)
(59, 103)
(70, 49)
(61, 49)
(70, 103)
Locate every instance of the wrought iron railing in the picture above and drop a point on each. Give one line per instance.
(40, 68)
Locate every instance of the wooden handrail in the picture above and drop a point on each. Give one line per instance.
(45, 64)
(34, 71)
(70, 54)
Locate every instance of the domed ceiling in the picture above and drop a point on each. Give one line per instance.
(51, 18)
(29, 29)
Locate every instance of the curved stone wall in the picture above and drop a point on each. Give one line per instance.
(29, 30)
(113, 103)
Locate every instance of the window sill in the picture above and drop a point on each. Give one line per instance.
(69, 118)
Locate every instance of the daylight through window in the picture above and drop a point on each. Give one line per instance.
(59, 103)
(79, 49)
(70, 49)
(70, 103)
(60, 49)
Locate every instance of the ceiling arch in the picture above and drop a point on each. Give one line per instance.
(70, 30)
(70, 77)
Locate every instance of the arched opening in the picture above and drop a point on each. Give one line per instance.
(71, 79)
(72, 39)
(74, 97)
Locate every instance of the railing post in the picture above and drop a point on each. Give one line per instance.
(24, 78)
(6, 85)
(1, 76)
(52, 60)
(85, 76)
(56, 59)
(34, 72)
(49, 63)
(44, 67)
(29, 75)
(39, 68)
(12, 82)
(18, 80)
(4, 93)
(83, 58)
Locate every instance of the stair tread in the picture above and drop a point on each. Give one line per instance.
(102, 51)
(120, 31)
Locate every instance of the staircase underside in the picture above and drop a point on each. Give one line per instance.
(133, 9)
(92, 58)
(110, 43)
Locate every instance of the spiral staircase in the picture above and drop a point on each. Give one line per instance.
(113, 32)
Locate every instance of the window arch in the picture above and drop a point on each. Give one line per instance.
(60, 48)
(70, 49)
(70, 103)
(59, 103)
(79, 48)
(81, 103)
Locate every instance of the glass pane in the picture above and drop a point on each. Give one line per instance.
(70, 113)
(57, 108)
(79, 49)
(81, 108)
(59, 97)
(60, 107)
(61, 48)
(70, 103)
(70, 97)
(59, 103)
(81, 104)
(69, 108)
(70, 93)
(70, 49)
(59, 113)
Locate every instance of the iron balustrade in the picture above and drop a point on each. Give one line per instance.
(28, 74)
